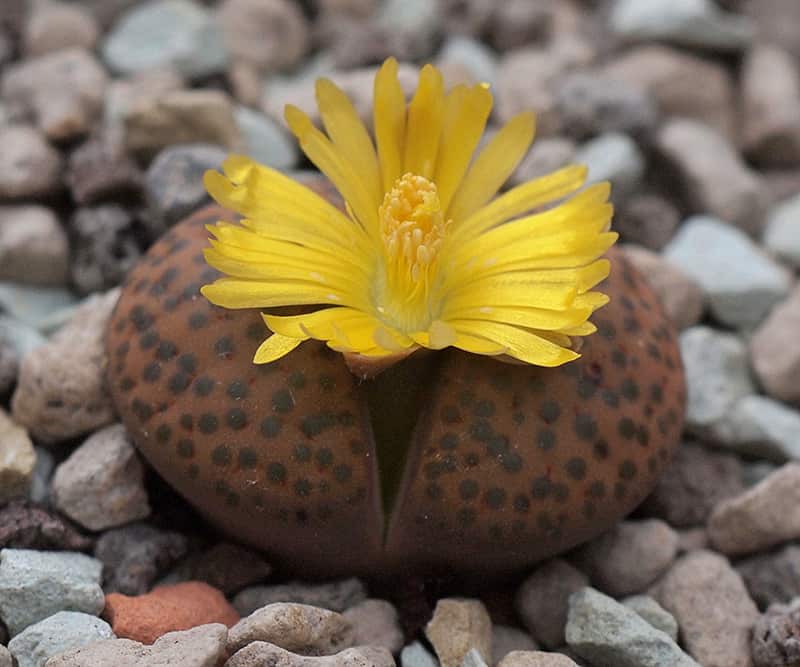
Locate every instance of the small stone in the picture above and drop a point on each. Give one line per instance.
(174, 183)
(682, 84)
(61, 390)
(714, 612)
(467, 17)
(712, 174)
(20, 335)
(630, 556)
(6, 660)
(648, 220)
(654, 614)
(202, 646)
(782, 233)
(29, 166)
(606, 632)
(62, 90)
(761, 427)
(104, 247)
(771, 106)
(473, 659)
(536, 659)
(145, 618)
(591, 103)
(507, 639)
(775, 350)
(616, 158)
(478, 59)
(741, 282)
(772, 577)
(17, 459)
(182, 117)
(176, 33)
(37, 584)
(693, 484)
(519, 23)
(133, 556)
(294, 627)
(545, 156)
(100, 170)
(694, 23)
(100, 485)
(35, 305)
(54, 26)
(375, 623)
(125, 95)
(761, 517)
(33, 246)
(265, 141)
(457, 626)
(776, 637)
(336, 595)
(412, 27)
(416, 655)
(23, 525)
(717, 375)
(226, 566)
(543, 600)
(258, 654)
(270, 35)
(681, 295)
(62, 631)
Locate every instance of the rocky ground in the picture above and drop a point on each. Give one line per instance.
(109, 112)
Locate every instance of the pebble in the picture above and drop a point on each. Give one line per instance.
(543, 600)
(54, 26)
(376, 623)
(546, 155)
(37, 584)
(22, 336)
(772, 577)
(33, 246)
(681, 296)
(613, 157)
(717, 375)
(776, 636)
(23, 525)
(412, 27)
(61, 390)
(104, 247)
(470, 18)
(519, 23)
(693, 23)
(145, 618)
(478, 59)
(265, 140)
(144, 88)
(712, 607)
(270, 35)
(527, 658)
(175, 33)
(741, 282)
(6, 659)
(629, 557)
(693, 484)
(782, 233)
(761, 517)
(294, 627)
(100, 170)
(29, 166)
(775, 350)
(654, 614)
(416, 655)
(335, 595)
(35, 305)
(761, 427)
(457, 626)
(682, 84)
(226, 566)
(62, 631)
(258, 654)
(606, 632)
(174, 184)
(770, 84)
(648, 220)
(62, 90)
(507, 639)
(202, 646)
(182, 117)
(591, 103)
(17, 459)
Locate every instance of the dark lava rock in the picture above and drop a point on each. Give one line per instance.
(23, 525)
(100, 170)
(776, 637)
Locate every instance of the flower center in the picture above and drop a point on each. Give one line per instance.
(412, 227)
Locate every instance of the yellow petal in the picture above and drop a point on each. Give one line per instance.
(531, 318)
(317, 324)
(425, 115)
(498, 292)
(236, 293)
(389, 120)
(274, 348)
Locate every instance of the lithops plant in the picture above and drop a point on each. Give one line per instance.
(449, 406)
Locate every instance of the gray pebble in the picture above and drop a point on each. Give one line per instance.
(334, 595)
(34, 305)
(6, 660)
(782, 233)
(266, 141)
(42, 472)
(473, 659)
(416, 655)
(62, 631)
(772, 577)
(375, 623)
(507, 639)
(654, 614)
(616, 158)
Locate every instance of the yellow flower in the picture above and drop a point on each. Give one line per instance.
(426, 255)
